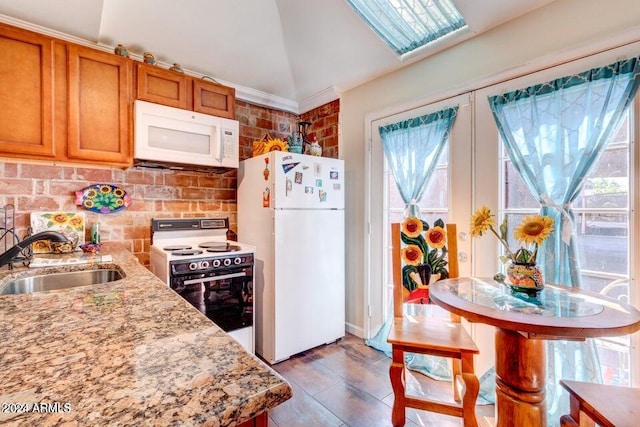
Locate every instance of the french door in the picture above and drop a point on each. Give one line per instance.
(446, 197)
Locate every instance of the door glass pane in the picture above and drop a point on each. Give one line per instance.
(603, 242)
(433, 205)
(602, 217)
(516, 194)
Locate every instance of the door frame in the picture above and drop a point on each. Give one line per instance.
(376, 244)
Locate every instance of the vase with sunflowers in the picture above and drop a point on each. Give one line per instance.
(423, 256)
(522, 272)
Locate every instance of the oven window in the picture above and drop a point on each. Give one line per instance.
(228, 302)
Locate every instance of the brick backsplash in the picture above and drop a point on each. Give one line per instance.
(156, 193)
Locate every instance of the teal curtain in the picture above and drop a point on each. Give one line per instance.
(412, 148)
(554, 133)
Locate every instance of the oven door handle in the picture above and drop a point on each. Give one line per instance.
(214, 278)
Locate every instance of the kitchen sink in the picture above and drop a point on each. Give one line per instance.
(50, 282)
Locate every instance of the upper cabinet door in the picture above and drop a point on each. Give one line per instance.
(214, 99)
(162, 86)
(26, 90)
(99, 107)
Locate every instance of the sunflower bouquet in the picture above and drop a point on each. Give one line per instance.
(532, 231)
(425, 246)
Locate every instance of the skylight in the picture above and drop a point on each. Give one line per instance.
(405, 25)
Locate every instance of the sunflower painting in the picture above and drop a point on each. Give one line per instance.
(71, 224)
(423, 244)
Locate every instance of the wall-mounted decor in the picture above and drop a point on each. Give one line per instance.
(103, 198)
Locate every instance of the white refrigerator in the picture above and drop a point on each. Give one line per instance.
(291, 208)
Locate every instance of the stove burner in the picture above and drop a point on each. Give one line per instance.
(218, 247)
(176, 247)
(187, 252)
(227, 248)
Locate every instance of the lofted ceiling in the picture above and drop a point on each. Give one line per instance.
(288, 54)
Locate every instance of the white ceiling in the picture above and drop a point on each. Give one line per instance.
(292, 54)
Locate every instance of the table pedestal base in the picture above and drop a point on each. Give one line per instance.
(520, 380)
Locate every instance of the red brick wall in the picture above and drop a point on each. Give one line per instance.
(324, 124)
(255, 121)
(155, 193)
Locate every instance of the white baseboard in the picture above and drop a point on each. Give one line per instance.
(354, 330)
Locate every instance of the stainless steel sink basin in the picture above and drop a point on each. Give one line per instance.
(50, 282)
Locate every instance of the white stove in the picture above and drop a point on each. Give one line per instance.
(194, 257)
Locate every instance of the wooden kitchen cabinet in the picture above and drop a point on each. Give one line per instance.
(63, 102)
(26, 94)
(166, 87)
(214, 99)
(99, 122)
(162, 86)
(261, 420)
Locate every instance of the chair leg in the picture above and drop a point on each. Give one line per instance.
(469, 390)
(397, 376)
(456, 370)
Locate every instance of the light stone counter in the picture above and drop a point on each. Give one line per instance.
(126, 353)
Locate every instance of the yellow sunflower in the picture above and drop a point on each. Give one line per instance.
(118, 192)
(412, 254)
(412, 227)
(533, 229)
(481, 221)
(91, 193)
(105, 189)
(89, 203)
(436, 237)
(59, 218)
(76, 221)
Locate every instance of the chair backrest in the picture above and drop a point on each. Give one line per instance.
(396, 255)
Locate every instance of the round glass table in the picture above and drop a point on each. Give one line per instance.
(523, 323)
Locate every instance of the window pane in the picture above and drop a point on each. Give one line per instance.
(435, 196)
(394, 199)
(614, 362)
(512, 222)
(516, 193)
(607, 186)
(603, 242)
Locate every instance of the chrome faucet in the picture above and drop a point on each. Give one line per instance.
(8, 256)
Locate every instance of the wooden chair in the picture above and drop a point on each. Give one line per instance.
(432, 336)
(606, 405)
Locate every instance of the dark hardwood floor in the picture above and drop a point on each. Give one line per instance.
(347, 384)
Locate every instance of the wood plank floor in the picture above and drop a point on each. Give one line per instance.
(347, 384)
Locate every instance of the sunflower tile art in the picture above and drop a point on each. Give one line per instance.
(71, 224)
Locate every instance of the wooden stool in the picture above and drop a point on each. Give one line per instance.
(607, 405)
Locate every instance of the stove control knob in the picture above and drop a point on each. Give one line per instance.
(227, 262)
(193, 266)
(237, 260)
(216, 263)
(204, 264)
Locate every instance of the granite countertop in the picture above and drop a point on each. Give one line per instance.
(125, 353)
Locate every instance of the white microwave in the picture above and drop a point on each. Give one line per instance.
(175, 136)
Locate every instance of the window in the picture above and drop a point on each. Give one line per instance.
(602, 215)
(405, 25)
